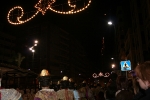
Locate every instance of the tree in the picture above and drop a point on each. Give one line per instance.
(19, 59)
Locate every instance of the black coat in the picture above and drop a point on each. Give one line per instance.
(143, 95)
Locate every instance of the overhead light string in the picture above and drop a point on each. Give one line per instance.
(40, 6)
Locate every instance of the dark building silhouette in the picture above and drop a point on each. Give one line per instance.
(57, 50)
(133, 31)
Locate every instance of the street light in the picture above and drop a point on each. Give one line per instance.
(112, 58)
(113, 66)
(32, 49)
(115, 49)
(111, 23)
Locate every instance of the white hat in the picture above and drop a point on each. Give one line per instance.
(10, 94)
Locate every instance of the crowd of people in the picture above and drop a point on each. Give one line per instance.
(117, 88)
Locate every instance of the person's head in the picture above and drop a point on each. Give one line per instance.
(113, 76)
(122, 82)
(71, 84)
(64, 83)
(44, 78)
(143, 75)
(84, 84)
(124, 95)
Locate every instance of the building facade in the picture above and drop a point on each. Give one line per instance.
(133, 31)
(58, 51)
(7, 47)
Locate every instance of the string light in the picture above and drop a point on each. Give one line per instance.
(95, 75)
(40, 5)
(18, 18)
(101, 75)
(71, 11)
(42, 8)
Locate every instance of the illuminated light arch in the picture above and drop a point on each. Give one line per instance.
(101, 75)
(95, 75)
(43, 10)
(19, 17)
(107, 74)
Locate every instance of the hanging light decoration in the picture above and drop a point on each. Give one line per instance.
(101, 74)
(42, 6)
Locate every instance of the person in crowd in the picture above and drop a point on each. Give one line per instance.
(123, 93)
(99, 93)
(111, 87)
(86, 93)
(142, 72)
(64, 93)
(9, 94)
(32, 94)
(27, 95)
(98, 90)
(45, 93)
(82, 91)
(100, 96)
(74, 89)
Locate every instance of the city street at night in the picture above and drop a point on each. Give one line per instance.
(46, 44)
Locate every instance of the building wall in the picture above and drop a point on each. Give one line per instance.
(58, 51)
(7, 47)
(136, 44)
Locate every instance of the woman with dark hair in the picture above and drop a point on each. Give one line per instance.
(64, 93)
(45, 93)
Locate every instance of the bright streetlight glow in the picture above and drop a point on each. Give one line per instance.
(109, 23)
(33, 50)
(36, 41)
(30, 48)
(113, 66)
(35, 44)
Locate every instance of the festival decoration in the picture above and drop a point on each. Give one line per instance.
(95, 75)
(42, 6)
(101, 75)
(106, 74)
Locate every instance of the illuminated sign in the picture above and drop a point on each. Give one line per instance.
(125, 65)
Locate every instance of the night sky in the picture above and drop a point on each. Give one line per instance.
(88, 26)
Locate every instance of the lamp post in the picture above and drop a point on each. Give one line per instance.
(113, 66)
(32, 49)
(112, 24)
